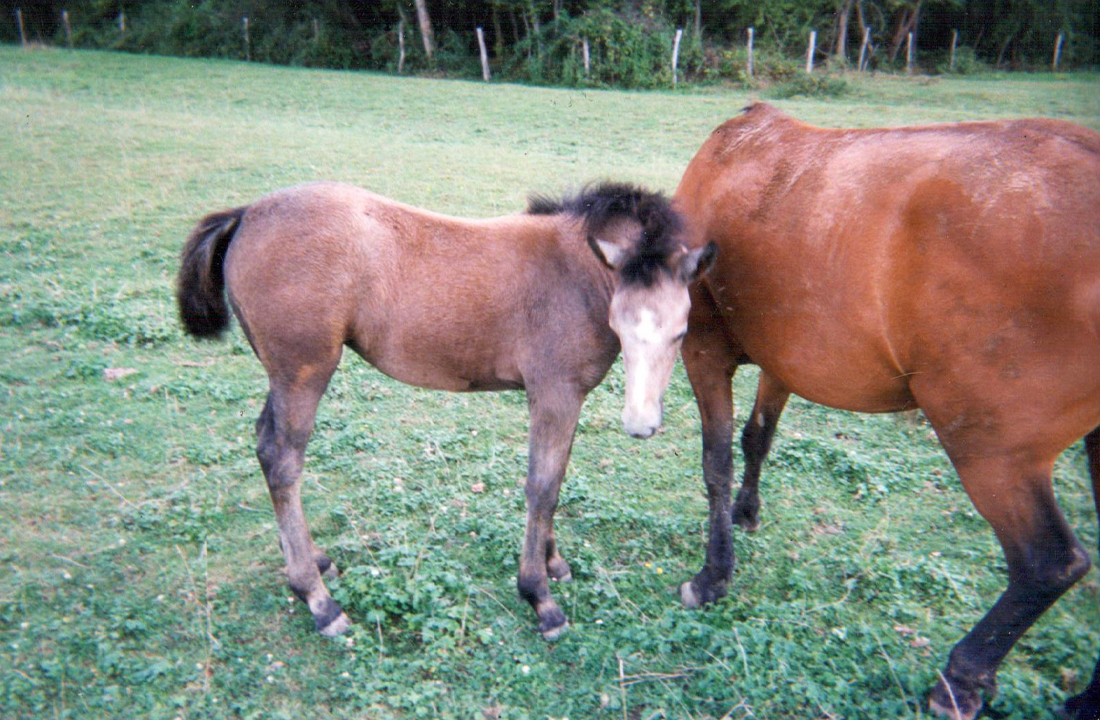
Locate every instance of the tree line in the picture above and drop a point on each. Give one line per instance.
(623, 43)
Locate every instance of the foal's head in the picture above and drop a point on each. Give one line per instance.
(636, 234)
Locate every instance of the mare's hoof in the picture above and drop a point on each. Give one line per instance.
(689, 597)
(749, 525)
(746, 515)
(693, 597)
(337, 627)
(959, 705)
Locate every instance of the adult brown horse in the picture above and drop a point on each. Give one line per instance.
(536, 301)
(953, 268)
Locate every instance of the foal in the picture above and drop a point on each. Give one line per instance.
(538, 301)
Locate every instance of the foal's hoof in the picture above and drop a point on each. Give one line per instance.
(337, 627)
(954, 705)
(553, 634)
(552, 622)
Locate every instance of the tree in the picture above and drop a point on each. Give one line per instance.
(426, 33)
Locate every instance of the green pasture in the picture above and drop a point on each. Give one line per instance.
(140, 575)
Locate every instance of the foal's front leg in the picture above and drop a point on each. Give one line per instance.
(554, 417)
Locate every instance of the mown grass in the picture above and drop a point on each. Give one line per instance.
(141, 571)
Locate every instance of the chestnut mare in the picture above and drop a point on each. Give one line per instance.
(951, 268)
(536, 301)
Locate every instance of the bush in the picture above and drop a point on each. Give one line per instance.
(966, 62)
(629, 52)
(810, 85)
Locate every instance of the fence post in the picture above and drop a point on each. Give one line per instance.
(484, 54)
(749, 67)
(676, 53)
(316, 30)
(68, 28)
(121, 22)
(909, 54)
(954, 44)
(1057, 52)
(247, 41)
(584, 52)
(863, 59)
(810, 51)
(22, 32)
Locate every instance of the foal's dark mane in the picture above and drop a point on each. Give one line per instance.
(597, 205)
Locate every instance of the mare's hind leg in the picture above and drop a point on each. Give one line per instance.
(1086, 706)
(283, 430)
(1015, 496)
(756, 442)
(554, 415)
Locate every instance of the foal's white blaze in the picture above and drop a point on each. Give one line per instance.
(650, 323)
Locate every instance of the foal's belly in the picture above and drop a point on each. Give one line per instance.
(442, 371)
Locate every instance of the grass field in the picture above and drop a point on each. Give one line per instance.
(141, 576)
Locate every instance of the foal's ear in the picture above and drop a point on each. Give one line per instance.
(609, 253)
(696, 262)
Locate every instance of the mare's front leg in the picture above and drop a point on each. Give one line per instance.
(283, 430)
(554, 415)
(711, 361)
(756, 442)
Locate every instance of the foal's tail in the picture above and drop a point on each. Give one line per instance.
(200, 286)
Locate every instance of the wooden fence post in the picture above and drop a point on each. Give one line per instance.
(484, 54)
(121, 22)
(676, 53)
(584, 52)
(909, 51)
(748, 66)
(954, 44)
(1057, 52)
(22, 32)
(863, 46)
(68, 28)
(316, 30)
(247, 41)
(810, 51)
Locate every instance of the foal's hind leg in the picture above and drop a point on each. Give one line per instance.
(1086, 706)
(1044, 560)
(283, 430)
(756, 442)
(554, 415)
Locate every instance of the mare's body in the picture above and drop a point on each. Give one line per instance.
(952, 268)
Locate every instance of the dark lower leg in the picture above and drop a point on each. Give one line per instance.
(756, 442)
(553, 422)
(1044, 560)
(1086, 705)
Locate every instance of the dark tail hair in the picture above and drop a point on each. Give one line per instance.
(200, 286)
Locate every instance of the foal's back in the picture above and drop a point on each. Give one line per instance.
(434, 301)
